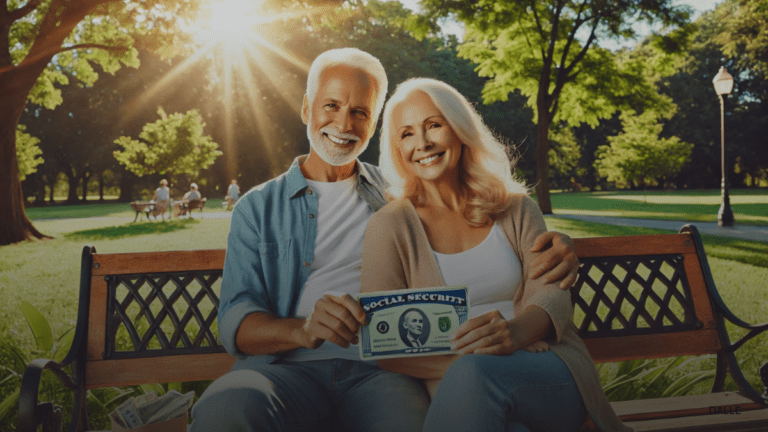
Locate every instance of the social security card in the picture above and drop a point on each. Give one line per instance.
(411, 322)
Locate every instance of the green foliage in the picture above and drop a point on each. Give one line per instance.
(649, 379)
(14, 361)
(27, 152)
(637, 156)
(111, 31)
(564, 156)
(174, 144)
(743, 32)
(38, 325)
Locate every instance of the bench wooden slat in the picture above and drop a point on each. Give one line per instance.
(620, 348)
(679, 406)
(97, 319)
(701, 302)
(749, 421)
(126, 372)
(628, 245)
(156, 262)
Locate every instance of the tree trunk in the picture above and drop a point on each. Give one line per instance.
(126, 187)
(101, 186)
(72, 180)
(542, 161)
(86, 177)
(15, 226)
(53, 177)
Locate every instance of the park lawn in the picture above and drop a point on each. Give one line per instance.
(46, 274)
(107, 209)
(749, 206)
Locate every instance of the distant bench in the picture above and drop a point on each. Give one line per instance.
(150, 317)
(184, 207)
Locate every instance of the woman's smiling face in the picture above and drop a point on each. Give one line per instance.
(429, 147)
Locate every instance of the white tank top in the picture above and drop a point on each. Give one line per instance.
(491, 271)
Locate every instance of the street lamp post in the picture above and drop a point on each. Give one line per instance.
(723, 83)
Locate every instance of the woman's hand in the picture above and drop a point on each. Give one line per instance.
(488, 333)
(539, 346)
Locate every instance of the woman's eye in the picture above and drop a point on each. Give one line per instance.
(405, 135)
(434, 125)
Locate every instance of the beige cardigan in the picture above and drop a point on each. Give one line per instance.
(397, 255)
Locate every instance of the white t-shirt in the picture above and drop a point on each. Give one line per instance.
(491, 271)
(342, 216)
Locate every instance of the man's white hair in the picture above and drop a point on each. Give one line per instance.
(353, 58)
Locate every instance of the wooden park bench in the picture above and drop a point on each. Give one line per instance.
(151, 318)
(145, 209)
(185, 207)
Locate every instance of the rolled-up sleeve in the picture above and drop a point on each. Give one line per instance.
(243, 289)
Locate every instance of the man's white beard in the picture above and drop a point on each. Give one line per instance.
(330, 153)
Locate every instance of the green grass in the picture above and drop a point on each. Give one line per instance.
(749, 206)
(46, 273)
(108, 209)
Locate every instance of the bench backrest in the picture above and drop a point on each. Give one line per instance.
(152, 315)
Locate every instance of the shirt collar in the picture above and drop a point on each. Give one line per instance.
(297, 182)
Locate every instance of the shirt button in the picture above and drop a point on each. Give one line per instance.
(309, 191)
(306, 264)
(311, 216)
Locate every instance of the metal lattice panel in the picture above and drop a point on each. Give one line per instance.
(632, 295)
(161, 314)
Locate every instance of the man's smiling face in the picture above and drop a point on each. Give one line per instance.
(339, 121)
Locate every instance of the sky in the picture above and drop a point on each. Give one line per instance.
(699, 6)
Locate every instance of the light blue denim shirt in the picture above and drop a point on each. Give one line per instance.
(270, 247)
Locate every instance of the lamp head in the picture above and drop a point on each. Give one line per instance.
(723, 82)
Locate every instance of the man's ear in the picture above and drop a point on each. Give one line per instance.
(305, 110)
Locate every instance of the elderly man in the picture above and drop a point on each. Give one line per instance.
(292, 271)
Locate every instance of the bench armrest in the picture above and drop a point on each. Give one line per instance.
(32, 414)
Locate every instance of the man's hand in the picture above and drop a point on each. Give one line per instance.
(334, 319)
(558, 259)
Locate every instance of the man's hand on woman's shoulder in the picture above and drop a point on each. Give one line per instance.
(557, 259)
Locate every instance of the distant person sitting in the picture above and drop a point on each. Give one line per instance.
(161, 198)
(233, 194)
(193, 194)
(182, 207)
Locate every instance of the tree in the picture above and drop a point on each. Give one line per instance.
(27, 152)
(174, 144)
(637, 156)
(39, 39)
(537, 47)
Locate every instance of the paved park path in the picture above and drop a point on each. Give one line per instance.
(745, 232)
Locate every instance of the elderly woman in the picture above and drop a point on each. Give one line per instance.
(459, 218)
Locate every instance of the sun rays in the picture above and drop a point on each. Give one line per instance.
(234, 36)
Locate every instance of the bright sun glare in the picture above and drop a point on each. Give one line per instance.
(234, 35)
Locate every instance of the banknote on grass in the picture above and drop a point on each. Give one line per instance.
(412, 322)
(149, 409)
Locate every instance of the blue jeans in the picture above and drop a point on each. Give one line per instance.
(521, 392)
(323, 396)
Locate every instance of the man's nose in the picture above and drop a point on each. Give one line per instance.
(343, 120)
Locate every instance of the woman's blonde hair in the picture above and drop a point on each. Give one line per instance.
(485, 168)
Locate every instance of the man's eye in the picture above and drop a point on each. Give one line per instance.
(330, 105)
(361, 114)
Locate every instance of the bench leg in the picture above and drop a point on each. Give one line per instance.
(137, 216)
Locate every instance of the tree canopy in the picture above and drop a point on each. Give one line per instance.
(637, 156)
(549, 51)
(174, 144)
